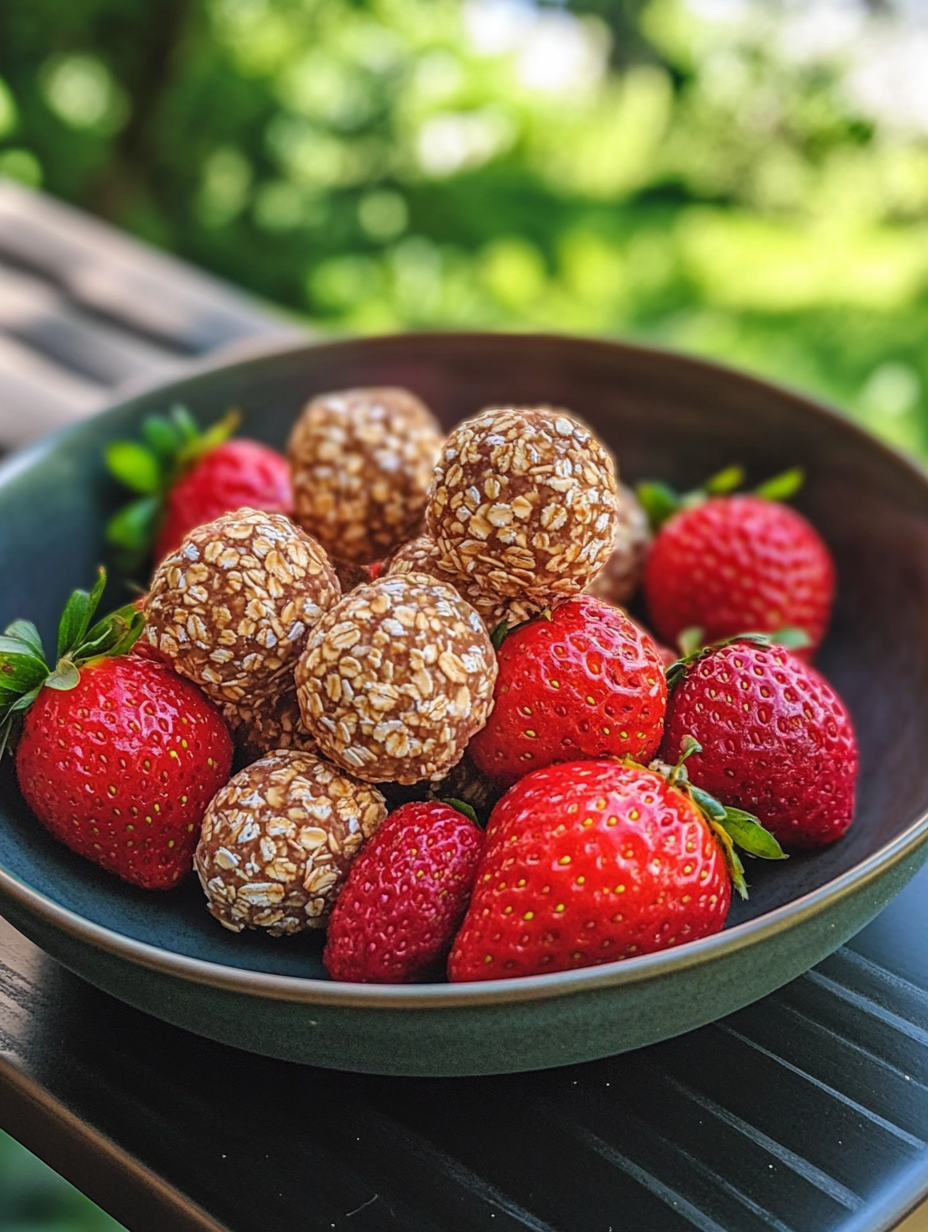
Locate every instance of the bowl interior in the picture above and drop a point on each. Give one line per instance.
(666, 417)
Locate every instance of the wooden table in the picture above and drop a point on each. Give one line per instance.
(807, 1112)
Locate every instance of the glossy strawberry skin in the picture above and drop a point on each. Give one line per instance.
(236, 474)
(122, 767)
(738, 564)
(587, 863)
(587, 683)
(777, 741)
(405, 896)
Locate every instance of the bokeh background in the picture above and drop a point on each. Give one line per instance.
(745, 179)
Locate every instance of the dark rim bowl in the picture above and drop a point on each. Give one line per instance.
(871, 504)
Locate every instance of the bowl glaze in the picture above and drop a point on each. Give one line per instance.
(667, 416)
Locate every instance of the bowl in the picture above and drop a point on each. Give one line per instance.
(666, 416)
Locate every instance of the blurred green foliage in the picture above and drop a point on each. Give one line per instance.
(716, 175)
(34, 1199)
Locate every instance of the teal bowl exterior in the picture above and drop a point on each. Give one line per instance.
(666, 416)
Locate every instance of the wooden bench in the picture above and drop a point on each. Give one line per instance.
(86, 312)
(807, 1112)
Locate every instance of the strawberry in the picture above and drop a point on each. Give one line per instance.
(727, 564)
(776, 738)
(118, 756)
(594, 861)
(405, 896)
(582, 681)
(186, 478)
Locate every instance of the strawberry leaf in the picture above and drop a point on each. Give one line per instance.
(185, 424)
(791, 637)
(23, 669)
(133, 465)
(747, 832)
(498, 636)
(77, 615)
(782, 487)
(113, 635)
(24, 702)
(6, 732)
(732, 859)
(19, 673)
(171, 444)
(64, 677)
(161, 436)
(26, 635)
(133, 526)
(690, 641)
(462, 807)
(725, 481)
(659, 502)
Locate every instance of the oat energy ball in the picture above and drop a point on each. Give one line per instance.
(396, 678)
(232, 606)
(619, 580)
(266, 722)
(523, 502)
(278, 840)
(423, 555)
(361, 462)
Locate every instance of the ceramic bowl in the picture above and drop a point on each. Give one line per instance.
(666, 416)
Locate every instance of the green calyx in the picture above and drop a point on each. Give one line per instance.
(24, 671)
(660, 502)
(504, 628)
(461, 806)
(170, 445)
(690, 643)
(732, 827)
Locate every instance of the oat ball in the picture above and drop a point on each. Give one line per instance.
(396, 678)
(619, 580)
(232, 606)
(278, 840)
(523, 502)
(361, 462)
(423, 555)
(267, 722)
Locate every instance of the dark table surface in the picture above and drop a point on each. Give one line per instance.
(807, 1112)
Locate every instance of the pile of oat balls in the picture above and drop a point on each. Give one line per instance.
(349, 646)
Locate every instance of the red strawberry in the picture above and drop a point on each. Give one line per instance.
(586, 682)
(118, 756)
(587, 863)
(776, 739)
(186, 478)
(405, 896)
(235, 475)
(734, 564)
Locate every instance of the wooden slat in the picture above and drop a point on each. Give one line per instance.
(34, 313)
(37, 396)
(116, 277)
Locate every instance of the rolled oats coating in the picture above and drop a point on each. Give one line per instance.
(619, 579)
(233, 605)
(423, 555)
(266, 722)
(361, 462)
(278, 840)
(396, 678)
(523, 502)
